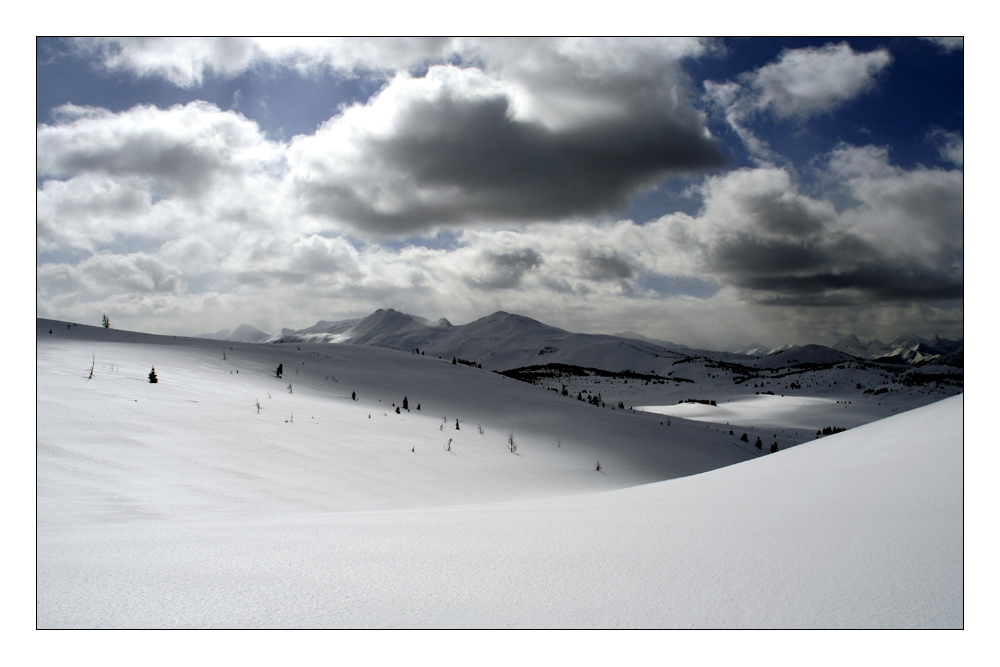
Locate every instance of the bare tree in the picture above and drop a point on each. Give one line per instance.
(511, 444)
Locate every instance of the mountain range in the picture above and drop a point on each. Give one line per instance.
(504, 341)
(908, 349)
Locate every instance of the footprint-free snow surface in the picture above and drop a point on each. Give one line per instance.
(179, 504)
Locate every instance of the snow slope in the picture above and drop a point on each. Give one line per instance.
(177, 505)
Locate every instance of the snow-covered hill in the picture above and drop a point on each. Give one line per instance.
(177, 504)
(241, 334)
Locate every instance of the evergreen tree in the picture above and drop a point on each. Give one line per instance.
(774, 447)
(354, 396)
(758, 444)
(152, 376)
(744, 438)
(454, 361)
(279, 371)
(456, 426)
(406, 403)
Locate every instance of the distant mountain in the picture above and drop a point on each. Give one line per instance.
(503, 341)
(907, 349)
(241, 334)
(498, 342)
(798, 355)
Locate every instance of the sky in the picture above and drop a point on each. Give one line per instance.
(702, 191)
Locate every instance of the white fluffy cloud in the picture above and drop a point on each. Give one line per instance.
(184, 61)
(805, 82)
(153, 173)
(801, 83)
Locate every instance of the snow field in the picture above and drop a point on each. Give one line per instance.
(156, 511)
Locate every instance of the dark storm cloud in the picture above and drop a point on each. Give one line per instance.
(833, 268)
(506, 269)
(607, 267)
(847, 271)
(454, 158)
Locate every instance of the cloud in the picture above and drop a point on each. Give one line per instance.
(811, 81)
(947, 44)
(185, 61)
(608, 267)
(449, 148)
(901, 240)
(154, 174)
(505, 270)
(463, 131)
(800, 84)
(951, 145)
(183, 150)
(106, 274)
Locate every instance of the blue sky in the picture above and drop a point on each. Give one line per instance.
(701, 191)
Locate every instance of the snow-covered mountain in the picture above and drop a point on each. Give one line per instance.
(908, 349)
(504, 341)
(241, 334)
(497, 342)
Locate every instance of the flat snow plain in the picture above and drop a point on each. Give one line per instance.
(804, 412)
(177, 505)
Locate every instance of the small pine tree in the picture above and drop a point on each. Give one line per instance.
(418, 406)
(598, 468)
(406, 403)
(354, 396)
(758, 444)
(744, 438)
(397, 410)
(774, 447)
(279, 371)
(454, 361)
(152, 376)
(456, 426)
